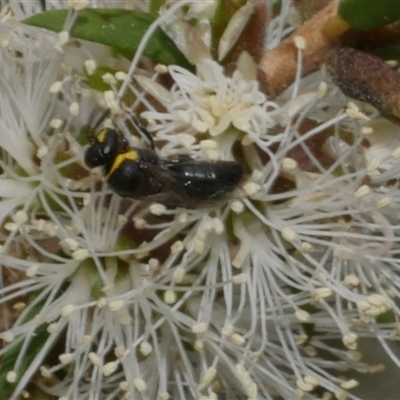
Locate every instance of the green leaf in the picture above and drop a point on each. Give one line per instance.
(121, 29)
(155, 5)
(389, 52)
(95, 81)
(37, 342)
(369, 14)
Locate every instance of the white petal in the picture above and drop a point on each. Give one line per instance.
(234, 29)
(154, 89)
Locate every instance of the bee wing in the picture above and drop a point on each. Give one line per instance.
(157, 174)
(190, 184)
(206, 180)
(171, 192)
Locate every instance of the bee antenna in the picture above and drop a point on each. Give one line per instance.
(140, 128)
(90, 130)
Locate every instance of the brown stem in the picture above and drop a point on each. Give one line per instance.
(278, 66)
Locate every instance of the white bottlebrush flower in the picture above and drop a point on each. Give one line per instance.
(263, 296)
(226, 108)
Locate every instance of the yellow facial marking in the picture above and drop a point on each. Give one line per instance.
(101, 137)
(132, 155)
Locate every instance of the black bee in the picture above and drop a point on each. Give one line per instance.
(140, 174)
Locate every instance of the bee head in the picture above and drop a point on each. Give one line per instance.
(103, 148)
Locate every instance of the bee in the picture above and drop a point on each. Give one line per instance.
(142, 175)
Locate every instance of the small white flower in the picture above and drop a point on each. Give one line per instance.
(211, 102)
